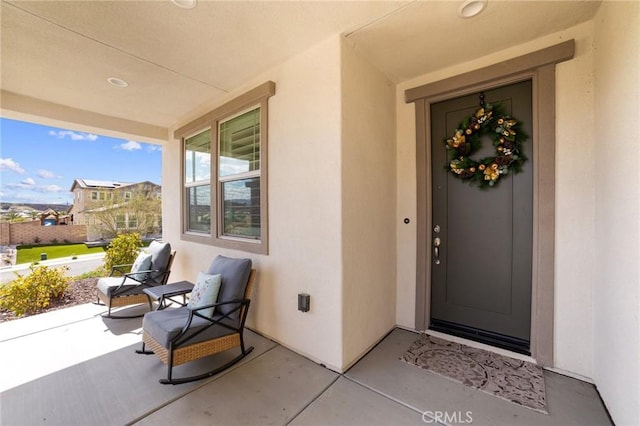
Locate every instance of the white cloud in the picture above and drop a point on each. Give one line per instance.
(230, 166)
(46, 174)
(130, 146)
(75, 136)
(9, 164)
(51, 188)
(19, 185)
(29, 185)
(153, 147)
(24, 192)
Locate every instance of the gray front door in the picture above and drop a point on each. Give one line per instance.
(481, 275)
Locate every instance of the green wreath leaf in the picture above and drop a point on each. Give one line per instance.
(507, 138)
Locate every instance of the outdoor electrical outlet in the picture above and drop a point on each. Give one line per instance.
(304, 301)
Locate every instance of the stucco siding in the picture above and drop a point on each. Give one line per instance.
(305, 254)
(616, 320)
(368, 210)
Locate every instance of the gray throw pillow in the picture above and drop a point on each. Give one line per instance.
(235, 275)
(160, 253)
(142, 263)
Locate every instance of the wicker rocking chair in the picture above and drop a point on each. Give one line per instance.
(118, 291)
(187, 333)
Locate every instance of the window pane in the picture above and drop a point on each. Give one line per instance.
(120, 222)
(241, 200)
(199, 208)
(198, 157)
(240, 144)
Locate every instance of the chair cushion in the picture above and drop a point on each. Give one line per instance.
(165, 325)
(160, 253)
(142, 263)
(205, 292)
(107, 284)
(235, 275)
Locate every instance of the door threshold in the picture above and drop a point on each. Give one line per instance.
(509, 343)
(478, 345)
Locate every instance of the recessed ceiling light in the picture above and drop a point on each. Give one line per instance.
(471, 8)
(185, 4)
(118, 82)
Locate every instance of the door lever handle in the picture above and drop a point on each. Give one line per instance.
(436, 250)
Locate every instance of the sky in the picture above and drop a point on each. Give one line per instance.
(38, 164)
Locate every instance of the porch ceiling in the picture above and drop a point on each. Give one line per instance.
(177, 59)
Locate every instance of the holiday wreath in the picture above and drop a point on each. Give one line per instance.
(507, 139)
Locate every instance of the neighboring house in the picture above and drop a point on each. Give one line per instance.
(106, 207)
(87, 192)
(347, 214)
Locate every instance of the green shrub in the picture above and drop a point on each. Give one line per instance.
(122, 250)
(29, 293)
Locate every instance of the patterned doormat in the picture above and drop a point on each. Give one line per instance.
(517, 381)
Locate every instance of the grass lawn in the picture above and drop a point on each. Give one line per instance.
(27, 254)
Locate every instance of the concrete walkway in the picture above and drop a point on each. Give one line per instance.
(75, 367)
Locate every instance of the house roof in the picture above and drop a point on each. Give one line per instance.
(48, 213)
(177, 59)
(106, 184)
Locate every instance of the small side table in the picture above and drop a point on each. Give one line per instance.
(162, 293)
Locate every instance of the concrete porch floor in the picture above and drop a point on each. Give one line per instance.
(74, 367)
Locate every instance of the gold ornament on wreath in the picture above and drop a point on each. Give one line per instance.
(507, 138)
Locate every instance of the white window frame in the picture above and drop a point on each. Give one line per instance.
(121, 221)
(256, 98)
(221, 180)
(186, 186)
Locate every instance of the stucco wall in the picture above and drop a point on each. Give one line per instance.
(575, 266)
(368, 211)
(305, 201)
(331, 211)
(617, 199)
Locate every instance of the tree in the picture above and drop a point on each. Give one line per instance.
(12, 216)
(135, 209)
